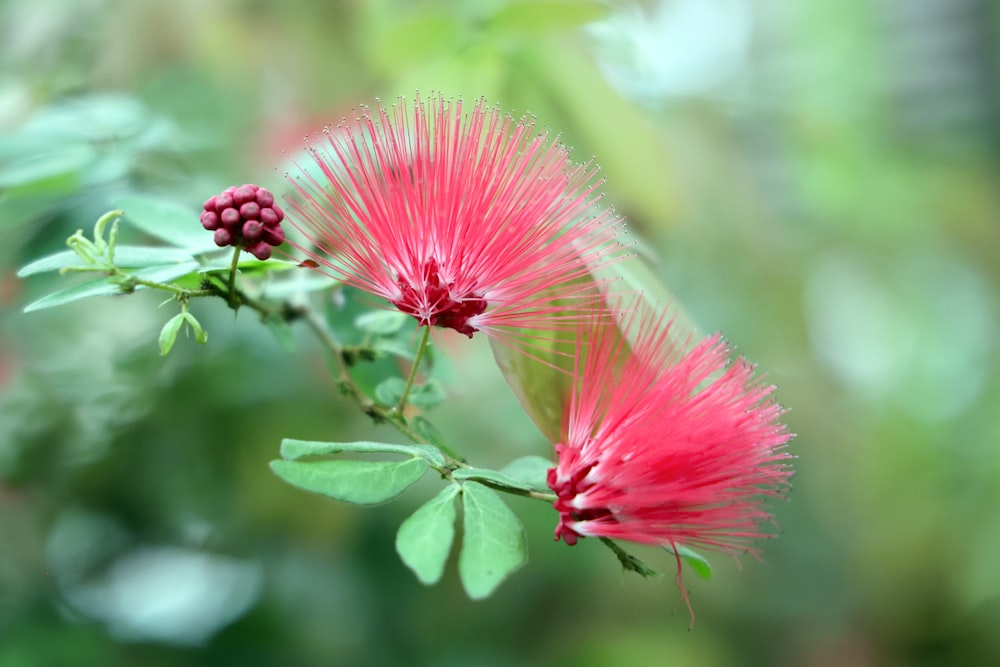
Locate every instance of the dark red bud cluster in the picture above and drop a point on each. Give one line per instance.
(246, 217)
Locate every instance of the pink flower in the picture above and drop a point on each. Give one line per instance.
(463, 220)
(665, 446)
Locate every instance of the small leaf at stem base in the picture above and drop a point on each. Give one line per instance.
(168, 334)
(695, 560)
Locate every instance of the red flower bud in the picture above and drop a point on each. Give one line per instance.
(244, 217)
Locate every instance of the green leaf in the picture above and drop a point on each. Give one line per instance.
(282, 331)
(428, 431)
(424, 540)
(389, 391)
(100, 287)
(540, 377)
(222, 261)
(292, 449)
(493, 542)
(200, 334)
(45, 167)
(427, 394)
(635, 278)
(531, 471)
(695, 560)
(168, 334)
(177, 225)
(535, 17)
(166, 273)
(129, 257)
(300, 282)
(394, 347)
(381, 322)
(486, 475)
(109, 286)
(359, 482)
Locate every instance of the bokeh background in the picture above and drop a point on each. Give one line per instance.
(819, 180)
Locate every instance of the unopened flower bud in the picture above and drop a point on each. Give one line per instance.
(250, 211)
(210, 220)
(260, 250)
(243, 194)
(230, 217)
(245, 217)
(252, 229)
(264, 198)
(274, 235)
(223, 201)
(269, 217)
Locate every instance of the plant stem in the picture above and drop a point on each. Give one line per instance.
(424, 336)
(167, 287)
(393, 416)
(232, 277)
(290, 312)
(337, 352)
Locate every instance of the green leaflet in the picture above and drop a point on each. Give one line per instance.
(389, 391)
(492, 476)
(126, 256)
(176, 224)
(424, 539)
(695, 560)
(493, 544)
(292, 449)
(543, 381)
(532, 471)
(359, 482)
(168, 334)
(381, 322)
(111, 286)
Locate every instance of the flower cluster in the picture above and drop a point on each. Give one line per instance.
(468, 221)
(666, 445)
(246, 217)
(663, 445)
(473, 222)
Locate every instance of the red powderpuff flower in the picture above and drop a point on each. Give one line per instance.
(665, 446)
(469, 221)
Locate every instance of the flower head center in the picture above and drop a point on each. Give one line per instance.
(433, 301)
(566, 491)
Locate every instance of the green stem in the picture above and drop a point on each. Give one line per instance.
(232, 277)
(424, 336)
(167, 287)
(337, 352)
(290, 312)
(393, 416)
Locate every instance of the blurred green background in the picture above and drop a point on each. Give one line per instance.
(817, 180)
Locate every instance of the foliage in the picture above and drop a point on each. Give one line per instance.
(833, 217)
